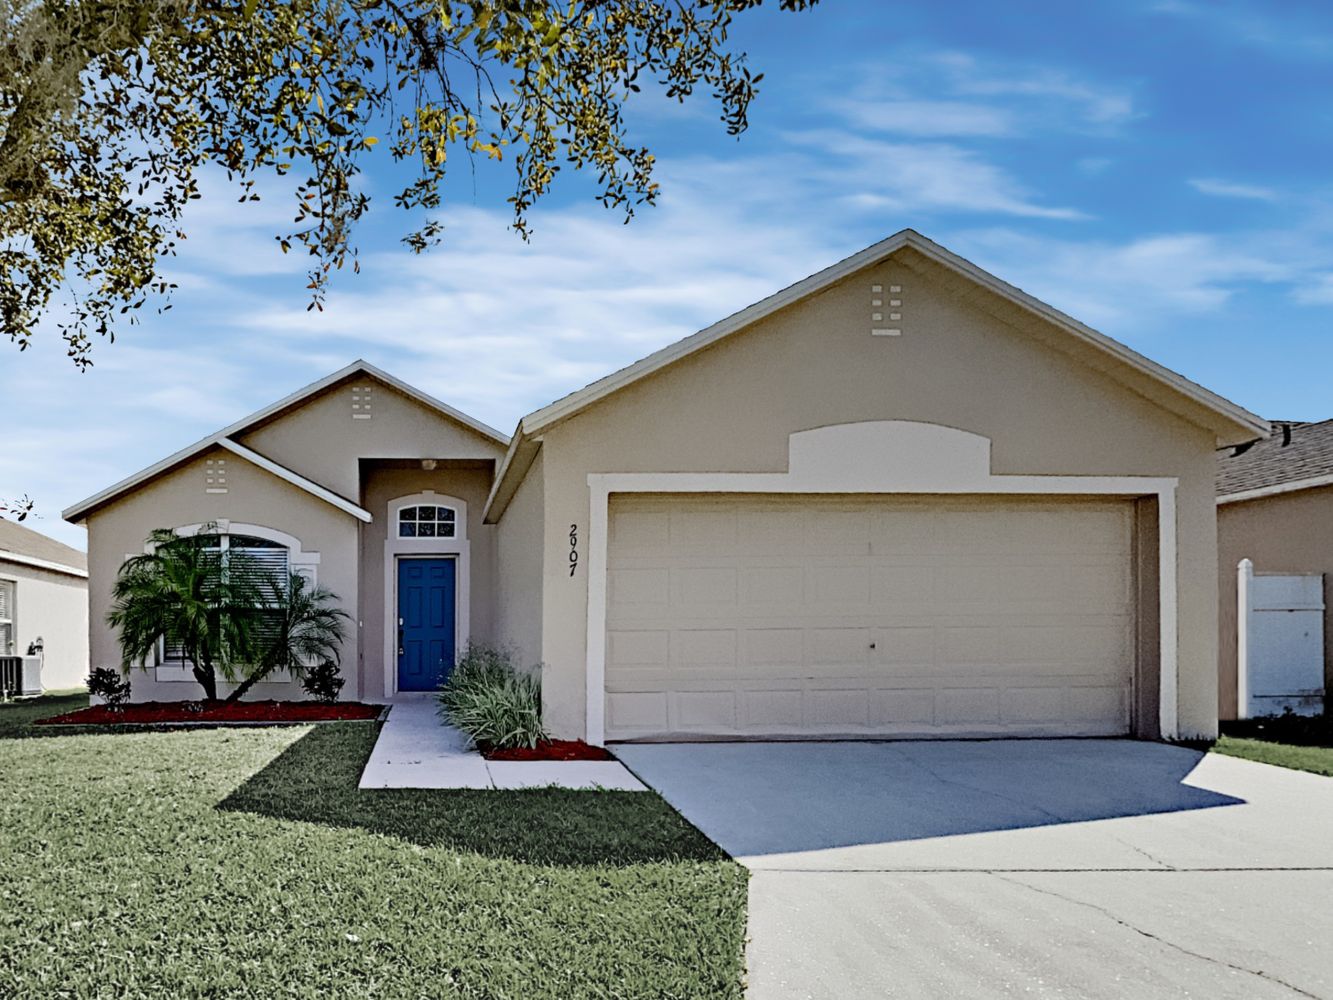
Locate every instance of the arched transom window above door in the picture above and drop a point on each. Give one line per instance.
(427, 521)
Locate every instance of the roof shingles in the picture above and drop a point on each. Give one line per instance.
(1271, 462)
(22, 541)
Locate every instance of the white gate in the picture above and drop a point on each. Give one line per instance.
(1280, 628)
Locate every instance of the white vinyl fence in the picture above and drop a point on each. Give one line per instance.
(1280, 631)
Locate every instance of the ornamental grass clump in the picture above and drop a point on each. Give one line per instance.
(492, 701)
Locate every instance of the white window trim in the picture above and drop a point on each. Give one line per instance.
(13, 619)
(889, 457)
(298, 561)
(439, 506)
(459, 548)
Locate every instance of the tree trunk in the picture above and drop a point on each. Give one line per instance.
(257, 675)
(206, 677)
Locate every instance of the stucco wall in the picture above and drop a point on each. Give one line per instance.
(253, 497)
(1287, 533)
(965, 360)
(521, 535)
(322, 441)
(53, 606)
(382, 485)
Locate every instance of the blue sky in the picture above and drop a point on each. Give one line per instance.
(1160, 169)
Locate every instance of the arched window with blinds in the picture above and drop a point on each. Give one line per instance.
(262, 558)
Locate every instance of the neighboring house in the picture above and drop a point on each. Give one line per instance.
(900, 497)
(1274, 508)
(44, 601)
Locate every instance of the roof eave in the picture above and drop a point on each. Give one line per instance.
(522, 452)
(1275, 489)
(79, 511)
(46, 564)
(1232, 423)
(297, 480)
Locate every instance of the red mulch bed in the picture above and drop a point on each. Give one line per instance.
(158, 713)
(549, 750)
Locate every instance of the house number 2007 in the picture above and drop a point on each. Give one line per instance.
(573, 549)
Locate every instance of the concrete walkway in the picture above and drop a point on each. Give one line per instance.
(1044, 869)
(416, 749)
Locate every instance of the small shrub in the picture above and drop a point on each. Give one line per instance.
(323, 682)
(108, 684)
(492, 701)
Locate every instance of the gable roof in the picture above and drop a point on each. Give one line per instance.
(297, 480)
(1278, 464)
(223, 437)
(1231, 423)
(19, 544)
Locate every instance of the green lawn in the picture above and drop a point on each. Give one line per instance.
(1302, 758)
(1301, 742)
(245, 862)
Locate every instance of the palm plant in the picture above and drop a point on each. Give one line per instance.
(299, 625)
(183, 594)
(220, 613)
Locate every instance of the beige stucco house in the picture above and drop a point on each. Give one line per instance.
(900, 497)
(1274, 509)
(43, 608)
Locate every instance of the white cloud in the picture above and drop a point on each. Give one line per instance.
(910, 178)
(1288, 33)
(952, 94)
(1318, 291)
(1094, 105)
(1130, 288)
(1094, 166)
(1229, 189)
(499, 327)
(928, 119)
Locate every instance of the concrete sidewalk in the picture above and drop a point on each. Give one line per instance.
(416, 749)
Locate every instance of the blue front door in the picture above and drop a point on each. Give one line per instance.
(426, 590)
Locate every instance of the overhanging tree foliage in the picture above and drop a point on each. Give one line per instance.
(18, 509)
(110, 108)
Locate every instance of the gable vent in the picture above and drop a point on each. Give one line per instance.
(361, 402)
(215, 476)
(886, 311)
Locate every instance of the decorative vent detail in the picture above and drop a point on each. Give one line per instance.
(361, 402)
(885, 317)
(215, 476)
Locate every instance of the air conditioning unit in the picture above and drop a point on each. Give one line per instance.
(20, 676)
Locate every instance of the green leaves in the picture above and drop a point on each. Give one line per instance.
(494, 703)
(216, 611)
(108, 110)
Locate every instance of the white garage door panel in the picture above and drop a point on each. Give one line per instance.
(772, 616)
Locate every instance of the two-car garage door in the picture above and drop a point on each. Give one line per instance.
(758, 616)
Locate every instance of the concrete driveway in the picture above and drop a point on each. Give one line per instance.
(1048, 868)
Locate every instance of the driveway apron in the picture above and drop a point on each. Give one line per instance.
(1015, 868)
